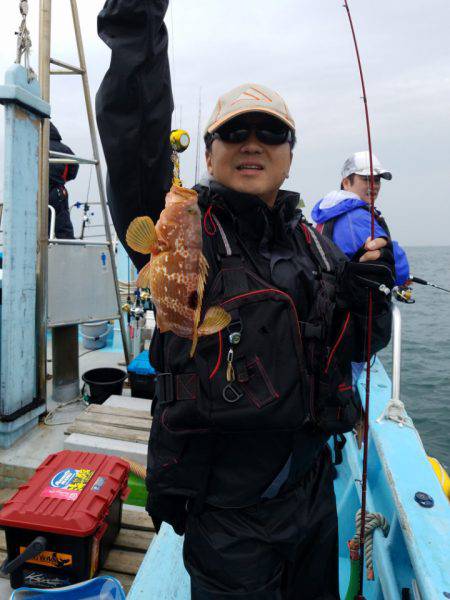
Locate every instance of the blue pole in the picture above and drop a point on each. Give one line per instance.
(24, 110)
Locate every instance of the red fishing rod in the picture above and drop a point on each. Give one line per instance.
(360, 596)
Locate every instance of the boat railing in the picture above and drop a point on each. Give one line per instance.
(52, 222)
(69, 159)
(396, 351)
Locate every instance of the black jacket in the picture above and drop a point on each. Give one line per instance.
(60, 173)
(134, 106)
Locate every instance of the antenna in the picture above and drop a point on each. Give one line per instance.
(197, 148)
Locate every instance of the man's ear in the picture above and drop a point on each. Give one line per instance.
(290, 164)
(208, 159)
(345, 185)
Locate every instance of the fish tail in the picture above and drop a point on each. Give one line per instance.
(203, 272)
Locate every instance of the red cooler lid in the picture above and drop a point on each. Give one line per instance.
(70, 494)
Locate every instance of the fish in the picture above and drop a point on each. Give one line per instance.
(177, 270)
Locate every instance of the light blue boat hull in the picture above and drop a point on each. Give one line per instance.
(416, 553)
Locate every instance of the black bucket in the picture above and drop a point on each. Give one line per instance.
(103, 383)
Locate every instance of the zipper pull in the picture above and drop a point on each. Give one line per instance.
(230, 369)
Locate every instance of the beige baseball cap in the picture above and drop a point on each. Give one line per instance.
(248, 97)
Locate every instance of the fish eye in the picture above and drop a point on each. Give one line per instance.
(192, 211)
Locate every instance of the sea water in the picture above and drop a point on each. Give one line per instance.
(425, 374)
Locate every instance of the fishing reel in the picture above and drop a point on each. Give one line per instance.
(179, 140)
(403, 293)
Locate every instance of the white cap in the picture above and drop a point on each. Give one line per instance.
(359, 164)
(248, 97)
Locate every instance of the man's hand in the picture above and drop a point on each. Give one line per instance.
(372, 267)
(373, 247)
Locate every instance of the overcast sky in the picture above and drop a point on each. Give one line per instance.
(303, 49)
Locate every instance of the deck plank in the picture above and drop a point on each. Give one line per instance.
(136, 519)
(114, 420)
(133, 539)
(6, 494)
(14, 474)
(107, 431)
(106, 409)
(93, 443)
(123, 561)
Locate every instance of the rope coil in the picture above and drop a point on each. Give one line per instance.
(24, 41)
(395, 411)
(372, 521)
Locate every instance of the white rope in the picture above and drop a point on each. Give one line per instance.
(48, 420)
(395, 411)
(24, 41)
(372, 522)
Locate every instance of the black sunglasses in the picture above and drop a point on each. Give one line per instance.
(271, 132)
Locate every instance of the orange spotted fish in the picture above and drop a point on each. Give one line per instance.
(177, 270)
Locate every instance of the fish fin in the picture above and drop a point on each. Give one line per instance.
(215, 320)
(359, 428)
(143, 280)
(194, 344)
(141, 235)
(202, 274)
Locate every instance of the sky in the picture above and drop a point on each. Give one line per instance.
(304, 50)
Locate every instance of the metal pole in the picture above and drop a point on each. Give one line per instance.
(396, 351)
(98, 169)
(42, 257)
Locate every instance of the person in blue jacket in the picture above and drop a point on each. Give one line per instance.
(344, 215)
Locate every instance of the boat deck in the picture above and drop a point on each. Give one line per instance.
(70, 426)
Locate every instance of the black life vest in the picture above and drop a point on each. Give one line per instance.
(288, 375)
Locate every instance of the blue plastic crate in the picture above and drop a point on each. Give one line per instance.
(142, 376)
(141, 365)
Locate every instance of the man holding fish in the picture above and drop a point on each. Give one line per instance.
(258, 320)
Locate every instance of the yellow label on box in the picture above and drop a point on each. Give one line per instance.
(58, 560)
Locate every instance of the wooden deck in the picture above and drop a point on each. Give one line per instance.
(120, 426)
(113, 422)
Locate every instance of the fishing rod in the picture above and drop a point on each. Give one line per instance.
(403, 293)
(423, 282)
(360, 595)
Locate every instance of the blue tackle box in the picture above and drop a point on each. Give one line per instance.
(142, 376)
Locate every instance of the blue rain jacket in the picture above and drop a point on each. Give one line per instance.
(352, 227)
